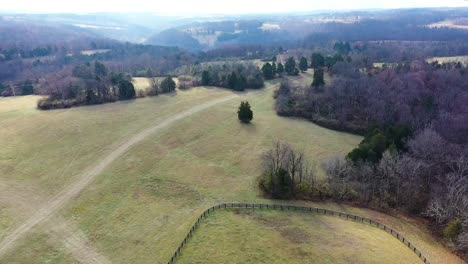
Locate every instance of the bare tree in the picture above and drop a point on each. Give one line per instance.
(284, 165)
(453, 201)
(338, 173)
(155, 87)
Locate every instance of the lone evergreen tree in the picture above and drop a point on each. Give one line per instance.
(303, 65)
(244, 113)
(318, 78)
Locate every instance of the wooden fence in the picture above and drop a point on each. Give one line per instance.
(296, 208)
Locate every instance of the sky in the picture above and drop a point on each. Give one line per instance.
(197, 7)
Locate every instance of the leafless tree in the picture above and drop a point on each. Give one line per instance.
(284, 160)
(155, 86)
(453, 201)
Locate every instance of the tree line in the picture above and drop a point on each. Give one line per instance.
(414, 94)
(414, 156)
(237, 76)
(93, 83)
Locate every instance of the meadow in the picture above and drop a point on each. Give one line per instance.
(284, 237)
(140, 208)
(462, 59)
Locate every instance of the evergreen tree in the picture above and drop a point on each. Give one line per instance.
(296, 72)
(149, 72)
(318, 78)
(168, 85)
(2, 88)
(206, 78)
(244, 113)
(317, 60)
(290, 66)
(100, 69)
(303, 65)
(237, 83)
(126, 91)
(280, 68)
(241, 83)
(267, 71)
(27, 88)
(342, 48)
(274, 68)
(232, 81)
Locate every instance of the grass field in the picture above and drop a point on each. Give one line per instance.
(42, 152)
(284, 237)
(139, 209)
(457, 24)
(462, 59)
(95, 51)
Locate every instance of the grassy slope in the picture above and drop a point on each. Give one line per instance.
(41, 152)
(39, 248)
(141, 207)
(285, 237)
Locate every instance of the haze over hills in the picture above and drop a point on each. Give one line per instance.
(236, 131)
(206, 32)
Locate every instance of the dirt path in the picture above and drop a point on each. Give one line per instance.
(90, 174)
(23, 202)
(75, 241)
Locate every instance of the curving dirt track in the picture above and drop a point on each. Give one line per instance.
(61, 199)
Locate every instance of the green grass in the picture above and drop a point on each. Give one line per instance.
(264, 236)
(44, 151)
(165, 182)
(141, 207)
(39, 248)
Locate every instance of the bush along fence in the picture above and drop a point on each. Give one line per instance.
(346, 216)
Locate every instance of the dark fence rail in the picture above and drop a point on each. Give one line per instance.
(296, 208)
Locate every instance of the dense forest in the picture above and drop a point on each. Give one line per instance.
(414, 156)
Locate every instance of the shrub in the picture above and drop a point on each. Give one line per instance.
(154, 88)
(48, 104)
(141, 93)
(187, 82)
(453, 229)
(168, 85)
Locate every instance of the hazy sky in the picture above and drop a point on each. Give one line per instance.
(171, 7)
